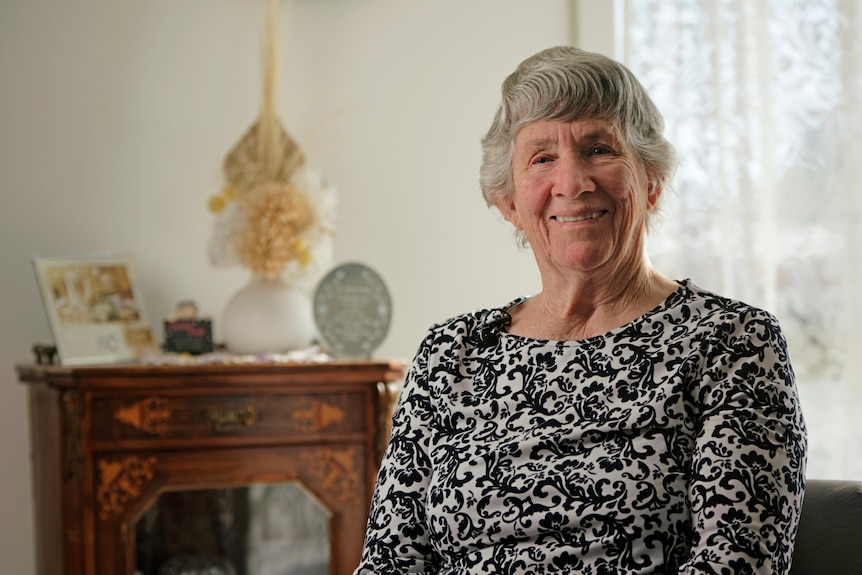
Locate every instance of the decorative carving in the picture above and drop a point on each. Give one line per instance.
(122, 481)
(73, 462)
(149, 415)
(334, 472)
(315, 415)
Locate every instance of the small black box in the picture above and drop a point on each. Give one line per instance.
(194, 336)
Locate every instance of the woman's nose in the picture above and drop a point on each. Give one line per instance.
(574, 177)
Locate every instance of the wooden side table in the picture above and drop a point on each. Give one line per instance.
(108, 441)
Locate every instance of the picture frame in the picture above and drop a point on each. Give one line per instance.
(94, 307)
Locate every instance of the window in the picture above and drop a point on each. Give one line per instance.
(762, 100)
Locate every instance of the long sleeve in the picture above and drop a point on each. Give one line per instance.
(748, 466)
(397, 537)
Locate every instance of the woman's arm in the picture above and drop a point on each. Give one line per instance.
(748, 469)
(397, 537)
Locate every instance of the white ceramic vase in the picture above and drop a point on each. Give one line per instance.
(267, 316)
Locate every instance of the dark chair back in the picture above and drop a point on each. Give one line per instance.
(829, 541)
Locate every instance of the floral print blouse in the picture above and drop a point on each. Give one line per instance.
(673, 444)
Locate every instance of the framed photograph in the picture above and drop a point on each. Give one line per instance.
(94, 308)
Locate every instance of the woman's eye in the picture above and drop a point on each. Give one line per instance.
(542, 160)
(599, 150)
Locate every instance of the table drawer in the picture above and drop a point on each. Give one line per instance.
(176, 416)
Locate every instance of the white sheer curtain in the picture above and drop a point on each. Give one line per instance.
(763, 102)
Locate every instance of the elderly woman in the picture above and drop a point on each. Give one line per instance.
(617, 422)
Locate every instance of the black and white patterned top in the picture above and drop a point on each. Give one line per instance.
(673, 444)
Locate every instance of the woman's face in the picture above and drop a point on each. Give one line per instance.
(581, 196)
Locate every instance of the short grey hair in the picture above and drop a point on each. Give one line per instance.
(564, 84)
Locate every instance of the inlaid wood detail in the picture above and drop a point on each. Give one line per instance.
(122, 481)
(150, 415)
(315, 415)
(334, 471)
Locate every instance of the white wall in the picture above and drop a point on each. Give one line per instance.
(115, 116)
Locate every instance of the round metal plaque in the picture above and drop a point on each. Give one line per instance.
(352, 310)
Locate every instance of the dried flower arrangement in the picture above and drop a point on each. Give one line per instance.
(274, 216)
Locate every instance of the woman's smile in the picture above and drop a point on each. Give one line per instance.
(579, 218)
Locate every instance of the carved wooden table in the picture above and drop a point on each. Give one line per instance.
(109, 441)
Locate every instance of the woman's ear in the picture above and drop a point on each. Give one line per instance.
(507, 207)
(654, 189)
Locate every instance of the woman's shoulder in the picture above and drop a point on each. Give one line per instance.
(708, 310)
(471, 321)
(713, 303)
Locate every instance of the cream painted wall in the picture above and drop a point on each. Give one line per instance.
(115, 116)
